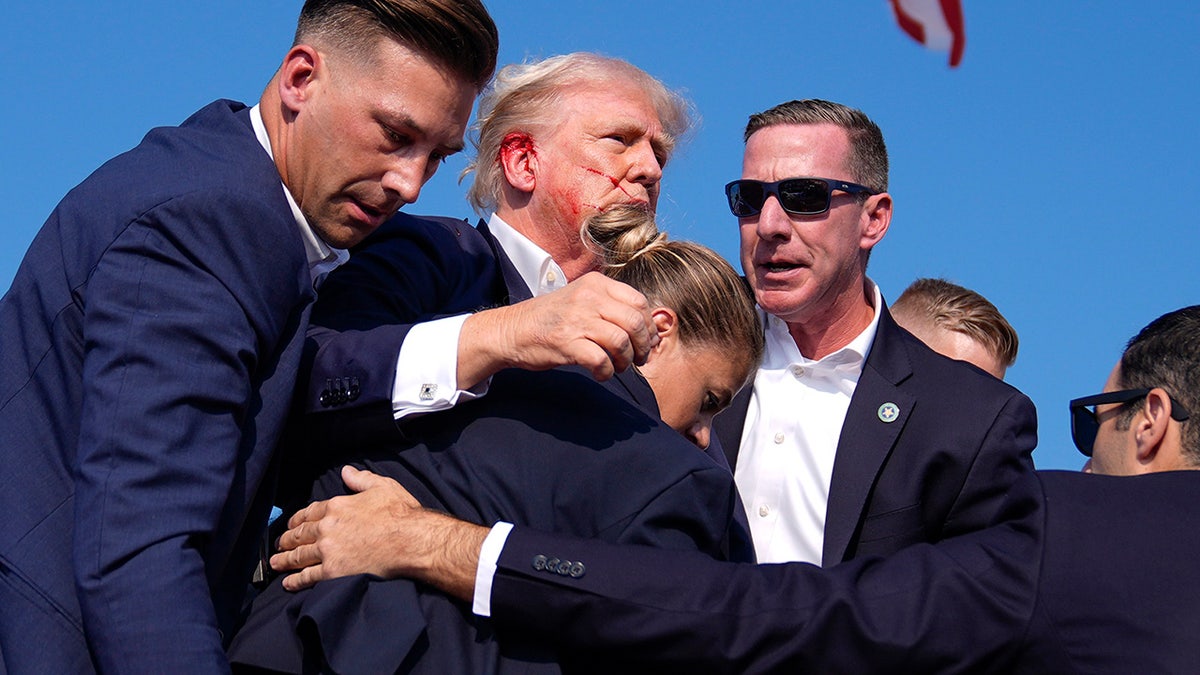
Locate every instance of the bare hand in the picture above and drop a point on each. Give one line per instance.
(595, 322)
(380, 530)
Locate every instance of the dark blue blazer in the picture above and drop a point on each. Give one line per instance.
(941, 468)
(411, 269)
(1085, 574)
(552, 449)
(150, 342)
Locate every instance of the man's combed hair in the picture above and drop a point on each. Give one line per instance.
(459, 34)
(942, 304)
(868, 154)
(523, 98)
(1166, 354)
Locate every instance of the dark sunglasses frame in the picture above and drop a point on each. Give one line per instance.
(734, 197)
(1084, 424)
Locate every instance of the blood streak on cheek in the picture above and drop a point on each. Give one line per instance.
(616, 182)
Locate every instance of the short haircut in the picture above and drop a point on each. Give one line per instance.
(1166, 354)
(524, 96)
(714, 306)
(939, 303)
(868, 161)
(458, 34)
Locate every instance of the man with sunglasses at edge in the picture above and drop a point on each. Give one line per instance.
(1080, 573)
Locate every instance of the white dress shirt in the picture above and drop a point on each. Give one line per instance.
(785, 459)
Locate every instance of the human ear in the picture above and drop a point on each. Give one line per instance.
(876, 218)
(518, 159)
(665, 321)
(1149, 428)
(298, 75)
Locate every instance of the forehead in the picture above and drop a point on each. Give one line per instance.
(789, 150)
(432, 95)
(615, 101)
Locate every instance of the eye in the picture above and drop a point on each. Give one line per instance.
(395, 137)
(711, 403)
(618, 137)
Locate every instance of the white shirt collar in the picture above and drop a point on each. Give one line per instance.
(322, 258)
(537, 269)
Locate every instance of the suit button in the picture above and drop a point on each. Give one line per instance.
(577, 570)
(539, 562)
(326, 398)
(552, 564)
(564, 568)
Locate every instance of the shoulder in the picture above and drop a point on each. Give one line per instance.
(935, 377)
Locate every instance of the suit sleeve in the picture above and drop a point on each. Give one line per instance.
(180, 312)
(409, 271)
(957, 606)
(1004, 457)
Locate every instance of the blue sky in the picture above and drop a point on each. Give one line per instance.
(1052, 171)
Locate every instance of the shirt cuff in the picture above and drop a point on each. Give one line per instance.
(489, 556)
(427, 369)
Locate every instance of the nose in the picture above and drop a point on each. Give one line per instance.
(699, 433)
(773, 221)
(406, 177)
(1087, 466)
(646, 169)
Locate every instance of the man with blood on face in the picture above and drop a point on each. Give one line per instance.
(558, 141)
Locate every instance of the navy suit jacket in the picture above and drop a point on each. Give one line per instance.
(1087, 574)
(411, 269)
(552, 449)
(150, 341)
(942, 467)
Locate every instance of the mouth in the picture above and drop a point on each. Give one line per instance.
(370, 216)
(777, 266)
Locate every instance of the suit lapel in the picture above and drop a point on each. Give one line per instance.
(518, 290)
(867, 439)
(728, 425)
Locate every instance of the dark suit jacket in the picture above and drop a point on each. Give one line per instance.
(941, 468)
(554, 450)
(1088, 574)
(150, 341)
(551, 449)
(411, 269)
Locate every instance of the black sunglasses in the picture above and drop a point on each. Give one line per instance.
(1084, 424)
(799, 196)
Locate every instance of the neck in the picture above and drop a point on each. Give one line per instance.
(562, 243)
(270, 107)
(822, 334)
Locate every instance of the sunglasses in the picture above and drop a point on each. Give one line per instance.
(798, 196)
(1084, 424)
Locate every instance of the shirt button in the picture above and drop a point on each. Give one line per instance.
(798, 371)
(764, 511)
(551, 277)
(778, 438)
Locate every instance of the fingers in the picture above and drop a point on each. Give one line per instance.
(305, 578)
(311, 513)
(359, 480)
(595, 322)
